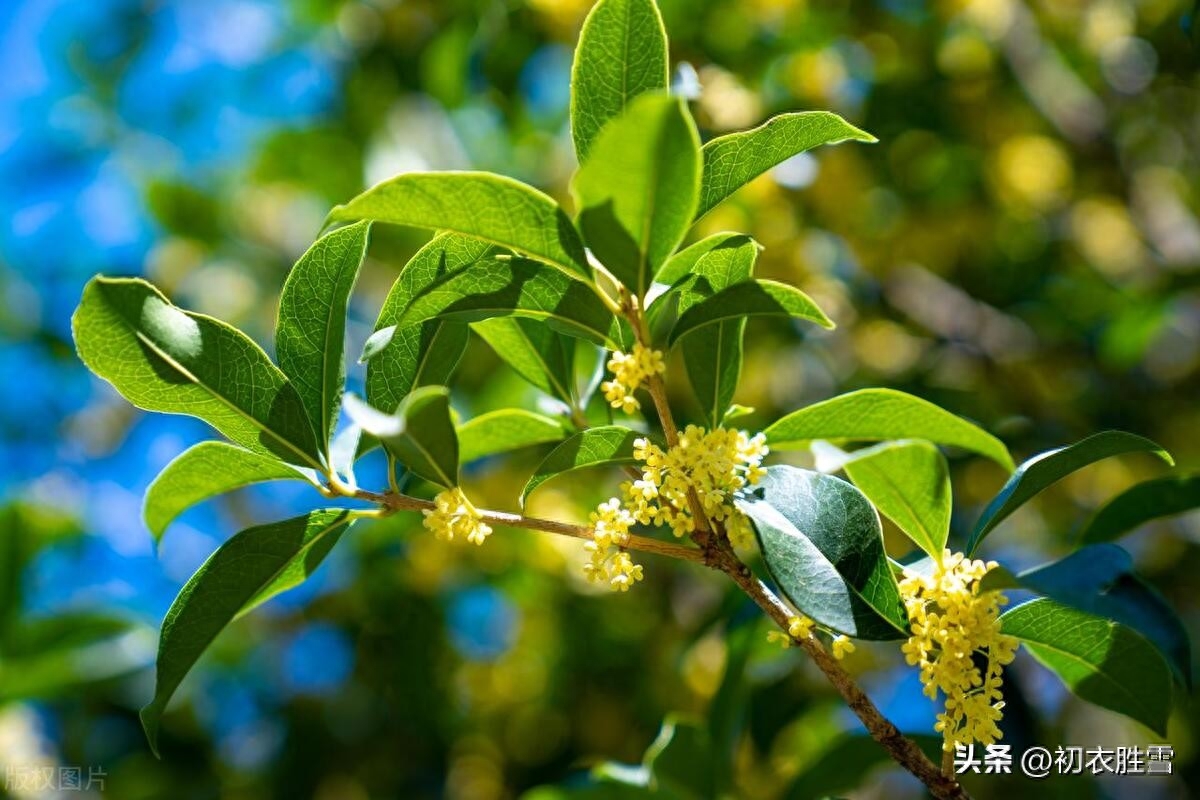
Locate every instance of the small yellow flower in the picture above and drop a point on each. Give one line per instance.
(800, 627)
(453, 515)
(779, 637)
(631, 370)
(952, 622)
(841, 646)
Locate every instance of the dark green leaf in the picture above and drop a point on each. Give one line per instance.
(750, 298)
(489, 207)
(1052, 466)
(734, 160)
(823, 544)
(513, 286)
(1101, 661)
(1155, 499)
(420, 434)
(505, 430)
(909, 482)
(247, 570)
(622, 53)
(544, 357)
(1100, 580)
(712, 355)
(876, 415)
(311, 331)
(204, 471)
(425, 354)
(637, 190)
(610, 444)
(162, 358)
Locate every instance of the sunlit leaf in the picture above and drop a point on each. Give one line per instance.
(1052, 466)
(749, 299)
(203, 472)
(540, 355)
(420, 433)
(1142, 503)
(1101, 661)
(609, 444)
(162, 358)
(504, 430)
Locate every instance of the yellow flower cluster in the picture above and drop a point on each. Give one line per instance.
(610, 530)
(453, 515)
(715, 464)
(630, 371)
(798, 628)
(957, 643)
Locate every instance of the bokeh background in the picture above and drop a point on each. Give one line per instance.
(1021, 246)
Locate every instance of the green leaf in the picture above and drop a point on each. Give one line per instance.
(909, 482)
(543, 357)
(1101, 661)
(712, 355)
(1100, 580)
(823, 544)
(505, 430)
(1146, 501)
(425, 354)
(732, 161)
(420, 434)
(513, 286)
(622, 53)
(637, 190)
(1052, 466)
(680, 760)
(247, 570)
(162, 358)
(311, 331)
(877, 415)
(843, 765)
(489, 207)
(750, 298)
(609, 444)
(684, 262)
(205, 471)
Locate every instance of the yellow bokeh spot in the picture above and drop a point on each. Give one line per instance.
(1033, 171)
(1106, 236)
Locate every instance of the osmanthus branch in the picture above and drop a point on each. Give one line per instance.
(394, 501)
(718, 554)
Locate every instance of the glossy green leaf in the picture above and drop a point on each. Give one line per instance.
(425, 354)
(420, 434)
(513, 286)
(203, 472)
(489, 207)
(712, 355)
(823, 545)
(622, 52)
(311, 330)
(1100, 580)
(1048, 468)
(637, 190)
(909, 482)
(610, 444)
(540, 355)
(1101, 661)
(247, 570)
(733, 160)
(505, 430)
(750, 299)
(876, 415)
(684, 262)
(162, 358)
(1142, 503)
